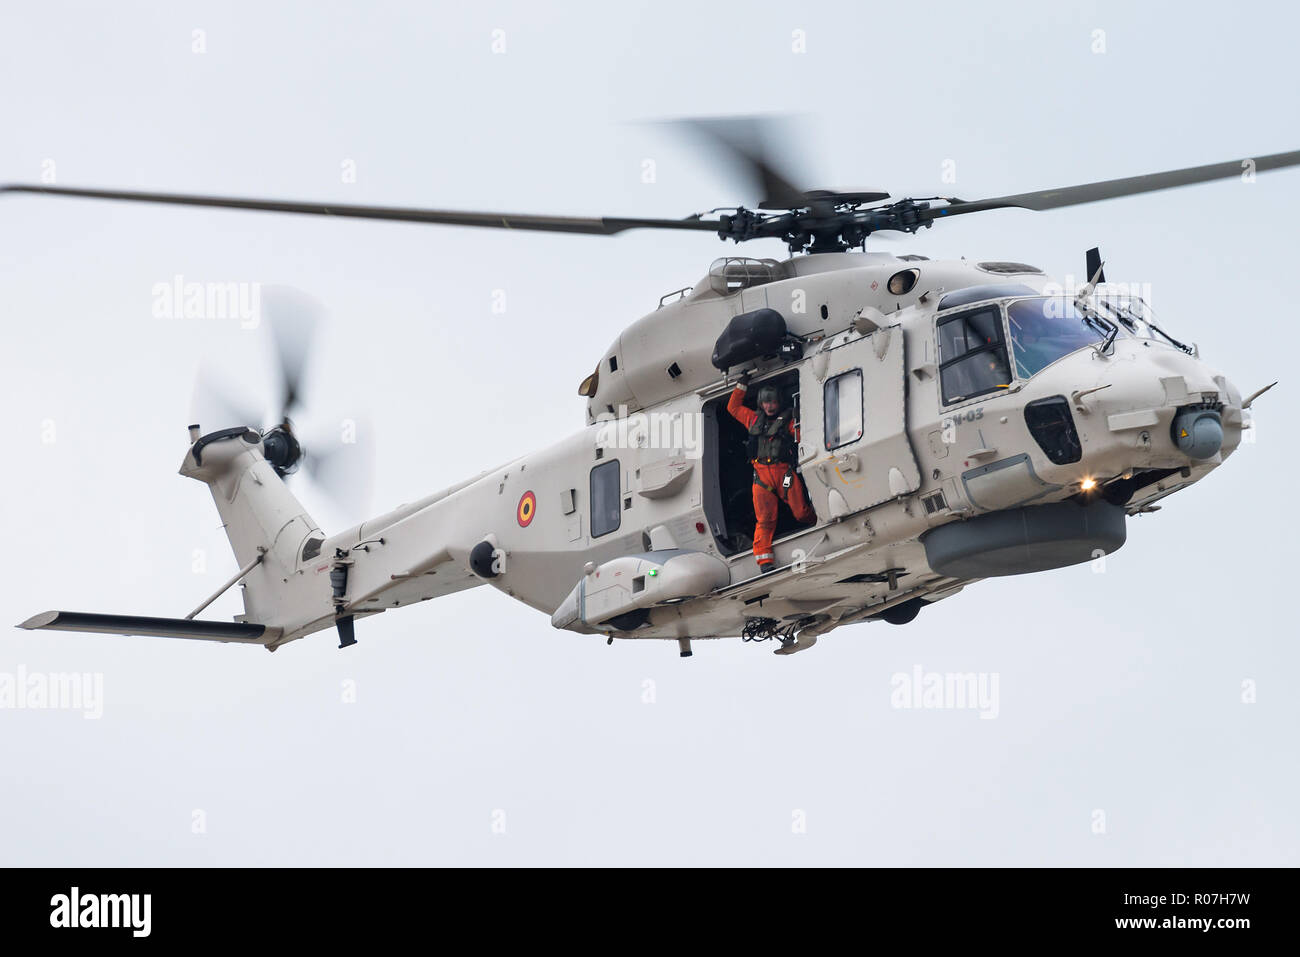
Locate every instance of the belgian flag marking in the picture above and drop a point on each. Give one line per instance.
(526, 510)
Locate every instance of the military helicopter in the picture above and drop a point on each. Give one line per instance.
(956, 421)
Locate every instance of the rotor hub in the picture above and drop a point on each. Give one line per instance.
(831, 224)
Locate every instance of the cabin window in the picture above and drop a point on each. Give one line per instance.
(842, 401)
(605, 495)
(973, 355)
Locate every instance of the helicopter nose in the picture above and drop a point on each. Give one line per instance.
(1198, 433)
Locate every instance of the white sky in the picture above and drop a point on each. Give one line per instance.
(1119, 692)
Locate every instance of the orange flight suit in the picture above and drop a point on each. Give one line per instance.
(768, 490)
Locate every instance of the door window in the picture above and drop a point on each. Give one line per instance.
(842, 400)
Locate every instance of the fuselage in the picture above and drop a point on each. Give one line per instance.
(928, 393)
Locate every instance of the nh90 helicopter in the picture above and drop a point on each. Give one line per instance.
(957, 421)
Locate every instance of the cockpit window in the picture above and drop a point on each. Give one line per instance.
(972, 354)
(969, 331)
(1047, 328)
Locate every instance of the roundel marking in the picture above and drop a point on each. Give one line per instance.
(526, 509)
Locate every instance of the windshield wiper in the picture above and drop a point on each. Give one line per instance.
(1125, 311)
(1170, 339)
(1098, 323)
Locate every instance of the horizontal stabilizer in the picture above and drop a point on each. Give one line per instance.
(154, 627)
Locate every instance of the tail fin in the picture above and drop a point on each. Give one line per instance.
(257, 510)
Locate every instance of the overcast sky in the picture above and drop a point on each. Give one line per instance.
(479, 734)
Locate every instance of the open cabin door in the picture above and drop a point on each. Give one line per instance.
(854, 450)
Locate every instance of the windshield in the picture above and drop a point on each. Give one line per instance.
(1046, 328)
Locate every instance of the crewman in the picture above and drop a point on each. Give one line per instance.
(773, 438)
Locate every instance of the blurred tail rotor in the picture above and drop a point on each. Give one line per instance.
(338, 462)
(341, 465)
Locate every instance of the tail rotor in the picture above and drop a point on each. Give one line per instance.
(340, 464)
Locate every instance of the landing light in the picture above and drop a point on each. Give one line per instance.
(1087, 485)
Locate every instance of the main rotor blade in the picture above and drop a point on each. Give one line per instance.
(744, 141)
(1113, 188)
(608, 226)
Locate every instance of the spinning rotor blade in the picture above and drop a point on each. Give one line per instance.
(338, 462)
(343, 469)
(215, 407)
(294, 318)
(743, 141)
(553, 224)
(1128, 186)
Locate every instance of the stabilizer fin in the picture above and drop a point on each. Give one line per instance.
(241, 632)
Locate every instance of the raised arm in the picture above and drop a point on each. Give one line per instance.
(736, 406)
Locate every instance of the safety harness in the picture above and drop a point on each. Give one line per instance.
(769, 438)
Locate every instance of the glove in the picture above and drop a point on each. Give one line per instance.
(745, 376)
